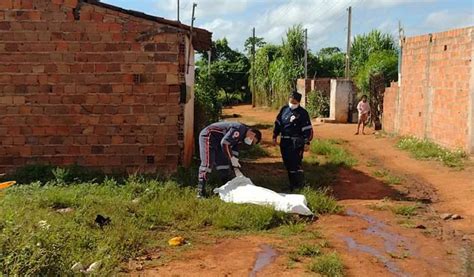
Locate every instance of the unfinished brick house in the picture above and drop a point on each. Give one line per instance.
(435, 97)
(87, 83)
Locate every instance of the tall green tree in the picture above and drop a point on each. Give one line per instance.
(293, 51)
(229, 68)
(328, 62)
(259, 43)
(366, 44)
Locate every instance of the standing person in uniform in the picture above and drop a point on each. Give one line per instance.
(218, 147)
(294, 126)
(364, 111)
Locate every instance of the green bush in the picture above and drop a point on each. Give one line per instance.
(207, 105)
(317, 104)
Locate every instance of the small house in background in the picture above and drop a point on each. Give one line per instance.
(87, 83)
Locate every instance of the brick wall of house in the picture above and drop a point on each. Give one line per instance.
(90, 86)
(435, 90)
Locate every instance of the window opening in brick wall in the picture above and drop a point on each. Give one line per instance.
(137, 78)
(150, 159)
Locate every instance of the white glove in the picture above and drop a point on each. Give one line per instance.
(235, 162)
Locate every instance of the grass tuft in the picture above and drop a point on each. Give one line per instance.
(320, 201)
(388, 177)
(328, 265)
(407, 211)
(333, 151)
(307, 250)
(427, 150)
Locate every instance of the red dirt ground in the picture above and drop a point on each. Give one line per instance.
(370, 241)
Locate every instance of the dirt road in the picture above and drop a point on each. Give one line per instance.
(369, 236)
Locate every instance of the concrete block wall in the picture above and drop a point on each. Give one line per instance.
(90, 86)
(435, 96)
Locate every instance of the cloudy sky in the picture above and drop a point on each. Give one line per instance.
(326, 20)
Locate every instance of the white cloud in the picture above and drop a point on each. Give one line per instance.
(444, 20)
(205, 8)
(390, 3)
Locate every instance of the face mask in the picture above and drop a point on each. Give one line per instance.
(248, 141)
(293, 106)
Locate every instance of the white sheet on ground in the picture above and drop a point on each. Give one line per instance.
(242, 190)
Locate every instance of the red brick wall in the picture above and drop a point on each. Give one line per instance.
(92, 91)
(435, 89)
(389, 110)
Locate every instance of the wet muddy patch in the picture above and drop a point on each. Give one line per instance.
(266, 256)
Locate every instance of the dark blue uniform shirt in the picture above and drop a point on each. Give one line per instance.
(293, 123)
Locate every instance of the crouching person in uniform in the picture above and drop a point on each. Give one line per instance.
(294, 126)
(218, 148)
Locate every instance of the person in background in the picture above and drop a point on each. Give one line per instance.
(218, 147)
(364, 111)
(293, 125)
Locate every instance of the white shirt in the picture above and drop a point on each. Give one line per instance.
(363, 108)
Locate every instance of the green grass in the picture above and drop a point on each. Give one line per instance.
(333, 151)
(407, 223)
(163, 209)
(320, 201)
(406, 210)
(36, 239)
(427, 150)
(253, 152)
(388, 177)
(328, 265)
(308, 250)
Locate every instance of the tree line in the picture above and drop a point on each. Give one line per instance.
(233, 75)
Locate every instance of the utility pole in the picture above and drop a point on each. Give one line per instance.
(254, 97)
(191, 39)
(178, 9)
(348, 54)
(401, 36)
(305, 54)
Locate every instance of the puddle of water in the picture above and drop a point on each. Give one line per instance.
(265, 257)
(377, 228)
(391, 266)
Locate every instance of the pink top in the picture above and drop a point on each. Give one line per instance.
(363, 108)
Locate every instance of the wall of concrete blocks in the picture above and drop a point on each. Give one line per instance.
(435, 98)
(97, 88)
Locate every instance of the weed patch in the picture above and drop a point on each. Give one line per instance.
(334, 153)
(328, 265)
(37, 239)
(427, 150)
(307, 250)
(320, 202)
(407, 211)
(388, 177)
